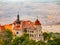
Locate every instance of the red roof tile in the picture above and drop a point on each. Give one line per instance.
(37, 22)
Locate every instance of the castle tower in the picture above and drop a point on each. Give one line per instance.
(17, 27)
(38, 25)
(39, 35)
(18, 22)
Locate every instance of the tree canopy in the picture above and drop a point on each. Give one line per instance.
(5, 37)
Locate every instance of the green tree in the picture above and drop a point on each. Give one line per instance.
(51, 42)
(40, 43)
(6, 36)
(46, 36)
(22, 40)
(57, 40)
(31, 42)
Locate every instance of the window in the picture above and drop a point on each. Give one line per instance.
(39, 35)
(28, 30)
(35, 35)
(25, 30)
(31, 35)
(32, 31)
(17, 32)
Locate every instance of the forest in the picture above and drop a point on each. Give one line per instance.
(7, 38)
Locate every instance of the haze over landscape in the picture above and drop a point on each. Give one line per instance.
(48, 11)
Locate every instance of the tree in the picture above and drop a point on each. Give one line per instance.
(6, 36)
(31, 42)
(40, 43)
(57, 40)
(51, 42)
(46, 36)
(22, 40)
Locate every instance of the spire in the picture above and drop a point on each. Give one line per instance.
(18, 21)
(18, 17)
(37, 17)
(37, 22)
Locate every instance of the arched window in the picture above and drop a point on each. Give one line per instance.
(17, 32)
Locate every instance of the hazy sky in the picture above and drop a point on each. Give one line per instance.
(48, 11)
(31, 1)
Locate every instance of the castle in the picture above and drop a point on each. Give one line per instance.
(18, 27)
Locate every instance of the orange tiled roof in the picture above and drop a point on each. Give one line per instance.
(24, 24)
(27, 24)
(17, 27)
(2, 27)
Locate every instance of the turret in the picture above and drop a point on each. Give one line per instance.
(38, 30)
(38, 24)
